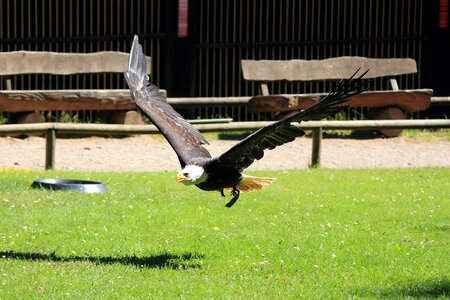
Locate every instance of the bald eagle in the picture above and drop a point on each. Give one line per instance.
(225, 171)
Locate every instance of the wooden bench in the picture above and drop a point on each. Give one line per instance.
(390, 104)
(27, 102)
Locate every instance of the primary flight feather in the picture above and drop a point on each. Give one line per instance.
(225, 171)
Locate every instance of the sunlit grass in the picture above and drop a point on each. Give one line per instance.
(313, 234)
(442, 134)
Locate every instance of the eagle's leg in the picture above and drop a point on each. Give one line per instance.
(221, 193)
(235, 193)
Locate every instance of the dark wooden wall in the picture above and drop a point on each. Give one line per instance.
(222, 32)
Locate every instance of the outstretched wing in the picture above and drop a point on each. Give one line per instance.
(184, 138)
(281, 132)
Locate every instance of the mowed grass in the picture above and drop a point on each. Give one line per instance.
(332, 234)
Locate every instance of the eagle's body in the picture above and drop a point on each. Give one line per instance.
(220, 176)
(225, 171)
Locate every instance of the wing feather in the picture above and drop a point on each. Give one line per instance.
(184, 138)
(281, 132)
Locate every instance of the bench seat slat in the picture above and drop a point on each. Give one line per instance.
(409, 100)
(19, 101)
(37, 100)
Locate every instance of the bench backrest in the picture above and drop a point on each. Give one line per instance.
(34, 62)
(331, 68)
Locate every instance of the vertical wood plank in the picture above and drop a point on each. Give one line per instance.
(316, 147)
(50, 143)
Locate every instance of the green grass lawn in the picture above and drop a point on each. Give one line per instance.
(333, 234)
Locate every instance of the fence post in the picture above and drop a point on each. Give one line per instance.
(50, 139)
(316, 145)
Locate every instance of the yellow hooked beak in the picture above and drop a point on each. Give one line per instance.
(181, 177)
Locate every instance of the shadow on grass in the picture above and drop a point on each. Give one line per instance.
(427, 289)
(170, 261)
(433, 227)
(232, 136)
(443, 227)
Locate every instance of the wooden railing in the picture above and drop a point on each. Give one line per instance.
(50, 130)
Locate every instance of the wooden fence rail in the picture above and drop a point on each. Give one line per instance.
(52, 129)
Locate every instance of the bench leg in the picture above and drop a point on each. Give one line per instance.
(27, 117)
(124, 117)
(388, 113)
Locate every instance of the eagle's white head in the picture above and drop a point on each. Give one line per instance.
(192, 174)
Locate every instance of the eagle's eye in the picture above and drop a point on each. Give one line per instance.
(186, 174)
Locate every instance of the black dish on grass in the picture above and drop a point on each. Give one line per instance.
(85, 186)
